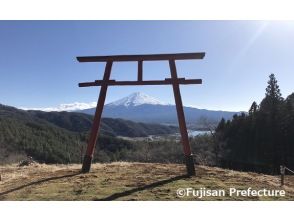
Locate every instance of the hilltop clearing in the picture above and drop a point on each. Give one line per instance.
(130, 181)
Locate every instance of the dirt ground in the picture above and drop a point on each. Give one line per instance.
(131, 181)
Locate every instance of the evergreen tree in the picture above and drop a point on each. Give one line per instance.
(272, 89)
(253, 108)
(273, 96)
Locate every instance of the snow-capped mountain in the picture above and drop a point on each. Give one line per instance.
(140, 107)
(136, 99)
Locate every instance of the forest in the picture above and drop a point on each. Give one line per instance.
(262, 139)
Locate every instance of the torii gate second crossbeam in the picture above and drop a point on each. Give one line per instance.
(174, 81)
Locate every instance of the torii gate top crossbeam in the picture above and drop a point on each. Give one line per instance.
(148, 57)
(140, 59)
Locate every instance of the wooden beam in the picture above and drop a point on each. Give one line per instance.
(140, 70)
(167, 81)
(146, 57)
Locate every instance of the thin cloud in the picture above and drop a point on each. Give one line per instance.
(65, 107)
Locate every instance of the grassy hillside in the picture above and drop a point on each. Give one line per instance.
(60, 137)
(23, 134)
(128, 181)
(79, 122)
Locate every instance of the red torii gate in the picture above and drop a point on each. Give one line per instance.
(174, 81)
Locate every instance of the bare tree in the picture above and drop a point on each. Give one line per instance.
(211, 126)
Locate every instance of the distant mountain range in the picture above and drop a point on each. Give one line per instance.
(80, 122)
(140, 107)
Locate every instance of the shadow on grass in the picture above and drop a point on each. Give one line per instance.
(138, 189)
(38, 182)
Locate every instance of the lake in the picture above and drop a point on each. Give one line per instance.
(193, 133)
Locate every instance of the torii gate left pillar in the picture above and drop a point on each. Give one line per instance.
(174, 81)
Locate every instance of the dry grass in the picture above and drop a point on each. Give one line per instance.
(127, 181)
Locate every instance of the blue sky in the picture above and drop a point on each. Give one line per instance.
(38, 66)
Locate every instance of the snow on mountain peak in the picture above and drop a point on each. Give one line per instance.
(136, 99)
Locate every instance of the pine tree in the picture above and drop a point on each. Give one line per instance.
(253, 108)
(273, 96)
(272, 89)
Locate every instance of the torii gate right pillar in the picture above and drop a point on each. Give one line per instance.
(181, 119)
